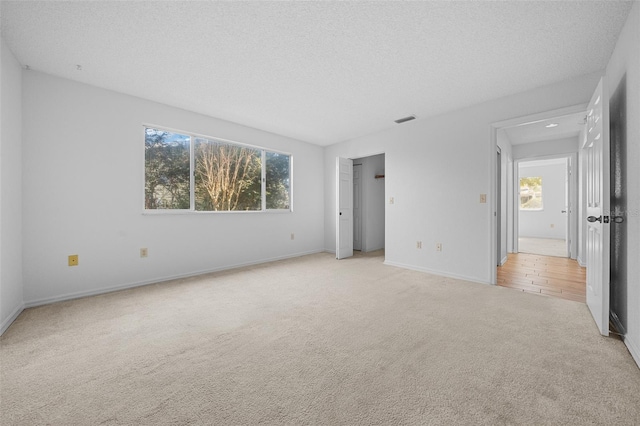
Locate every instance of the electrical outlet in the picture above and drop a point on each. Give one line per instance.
(293, 236)
(418, 244)
(553, 225)
(391, 200)
(144, 252)
(483, 198)
(438, 246)
(73, 260)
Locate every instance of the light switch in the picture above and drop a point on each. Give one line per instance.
(483, 198)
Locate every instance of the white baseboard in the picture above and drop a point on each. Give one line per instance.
(503, 261)
(581, 262)
(375, 248)
(634, 349)
(435, 272)
(77, 295)
(11, 318)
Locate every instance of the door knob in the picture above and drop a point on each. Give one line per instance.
(595, 219)
(563, 211)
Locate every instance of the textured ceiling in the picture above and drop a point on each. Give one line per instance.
(322, 72)
(568, 126)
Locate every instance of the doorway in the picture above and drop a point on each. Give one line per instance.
(543, 206)
(542, 263)
(368, 203)
(360, 205)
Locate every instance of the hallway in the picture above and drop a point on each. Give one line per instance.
(545, 275)
(543, 246)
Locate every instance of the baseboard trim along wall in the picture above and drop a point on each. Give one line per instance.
(78, 295)
(634, 350)
(11, 318)
(434, 272)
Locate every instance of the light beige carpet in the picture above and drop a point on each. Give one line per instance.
(315, 341)
(543, 246)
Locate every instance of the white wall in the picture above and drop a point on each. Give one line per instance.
(436, 168)
(11, 298)
(538, 223)
(83, 194)
(546, 148)
(626, 60)
(373, 202)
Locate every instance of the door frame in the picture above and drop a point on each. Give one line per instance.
(571, 194)
(354, 157)
(361, 213)
(492, 191)
(499, 218)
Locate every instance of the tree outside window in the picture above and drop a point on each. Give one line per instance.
(278, 181)
(167, 159)
(226, 176)
(531, 193)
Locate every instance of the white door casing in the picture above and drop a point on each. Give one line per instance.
(357, 207)
(597, 155)
(567, 206)
(344, 208)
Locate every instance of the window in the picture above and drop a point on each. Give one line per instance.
(277, 181)
(196, 173)
(228, 177)
(531, 193)
(167, 160)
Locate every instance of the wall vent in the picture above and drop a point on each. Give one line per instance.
(409, 118)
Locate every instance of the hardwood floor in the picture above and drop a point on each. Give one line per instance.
(545, 275)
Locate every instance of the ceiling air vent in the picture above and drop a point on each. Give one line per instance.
(409, 118)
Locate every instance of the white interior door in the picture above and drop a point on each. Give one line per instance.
(344, 208)
(597, 155)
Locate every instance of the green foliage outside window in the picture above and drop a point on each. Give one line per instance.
(278, 181)
(531, 193)
(166, 170)
(226, 177)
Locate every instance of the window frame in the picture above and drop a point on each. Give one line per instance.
(192, 175)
